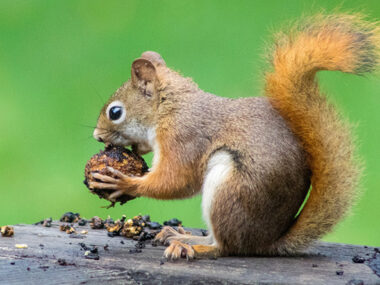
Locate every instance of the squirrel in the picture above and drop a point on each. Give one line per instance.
(253, 159)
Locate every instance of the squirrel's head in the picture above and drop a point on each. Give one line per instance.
(129, 117)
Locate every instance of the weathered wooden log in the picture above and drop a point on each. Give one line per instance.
(54, 257)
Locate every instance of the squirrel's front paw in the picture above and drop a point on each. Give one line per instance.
(119, 183)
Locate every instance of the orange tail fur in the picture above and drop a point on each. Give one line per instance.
(338, 42)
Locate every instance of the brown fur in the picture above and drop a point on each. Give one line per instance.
(339, 42)
(275, 144)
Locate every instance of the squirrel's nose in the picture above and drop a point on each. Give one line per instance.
(97, 136)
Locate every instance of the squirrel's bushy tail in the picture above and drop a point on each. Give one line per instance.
(338, 42)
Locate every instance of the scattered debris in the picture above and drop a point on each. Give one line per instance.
(146, 218)
(21, 245)
(154, 225)
(69, 229)
(82, 222)
(90, 253)
(47, 222)
(97, 223)
(7, 231)
(84, 232)
(314, 265)
(173, 222)
(358, 259)
(140, 245)
(13, 263)
(339, 272)
(70, 217)
(137, 228)
(63, 262)
(44, 267)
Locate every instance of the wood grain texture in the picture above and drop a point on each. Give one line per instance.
(118, 266)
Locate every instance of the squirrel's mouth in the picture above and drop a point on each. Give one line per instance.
(141, 149)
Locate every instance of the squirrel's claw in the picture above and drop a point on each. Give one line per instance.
(104, 178)
(177, 249)
(103, 186)
(116, 195)
(118, 182)
(166, 235)
(117, 173)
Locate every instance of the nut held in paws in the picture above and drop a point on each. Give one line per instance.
(118, 158)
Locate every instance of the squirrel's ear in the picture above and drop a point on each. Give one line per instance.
(153, 57)
(144, 76)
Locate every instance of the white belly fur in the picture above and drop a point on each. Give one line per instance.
(218, 169)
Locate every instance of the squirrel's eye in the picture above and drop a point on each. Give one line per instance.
(115, 113)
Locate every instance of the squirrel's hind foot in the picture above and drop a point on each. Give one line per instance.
(178, 250)
(169, 234)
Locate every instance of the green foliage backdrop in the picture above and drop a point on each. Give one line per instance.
(60, 60)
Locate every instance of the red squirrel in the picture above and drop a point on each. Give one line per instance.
(253, 159)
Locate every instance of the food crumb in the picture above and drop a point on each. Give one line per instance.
(90, 253)
(339, 272)
(44, 267)
(47, 222)
(64, 227)
(97, 223)
(82, 222)
(173, 222)
(70, 217)
(7, 231)
(21, 245)
(62, 261)
(358, 259)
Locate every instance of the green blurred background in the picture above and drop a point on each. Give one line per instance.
(61, 60)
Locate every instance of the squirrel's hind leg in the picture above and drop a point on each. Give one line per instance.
(219, 169)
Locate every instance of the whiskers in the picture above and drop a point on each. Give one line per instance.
(108, 135)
